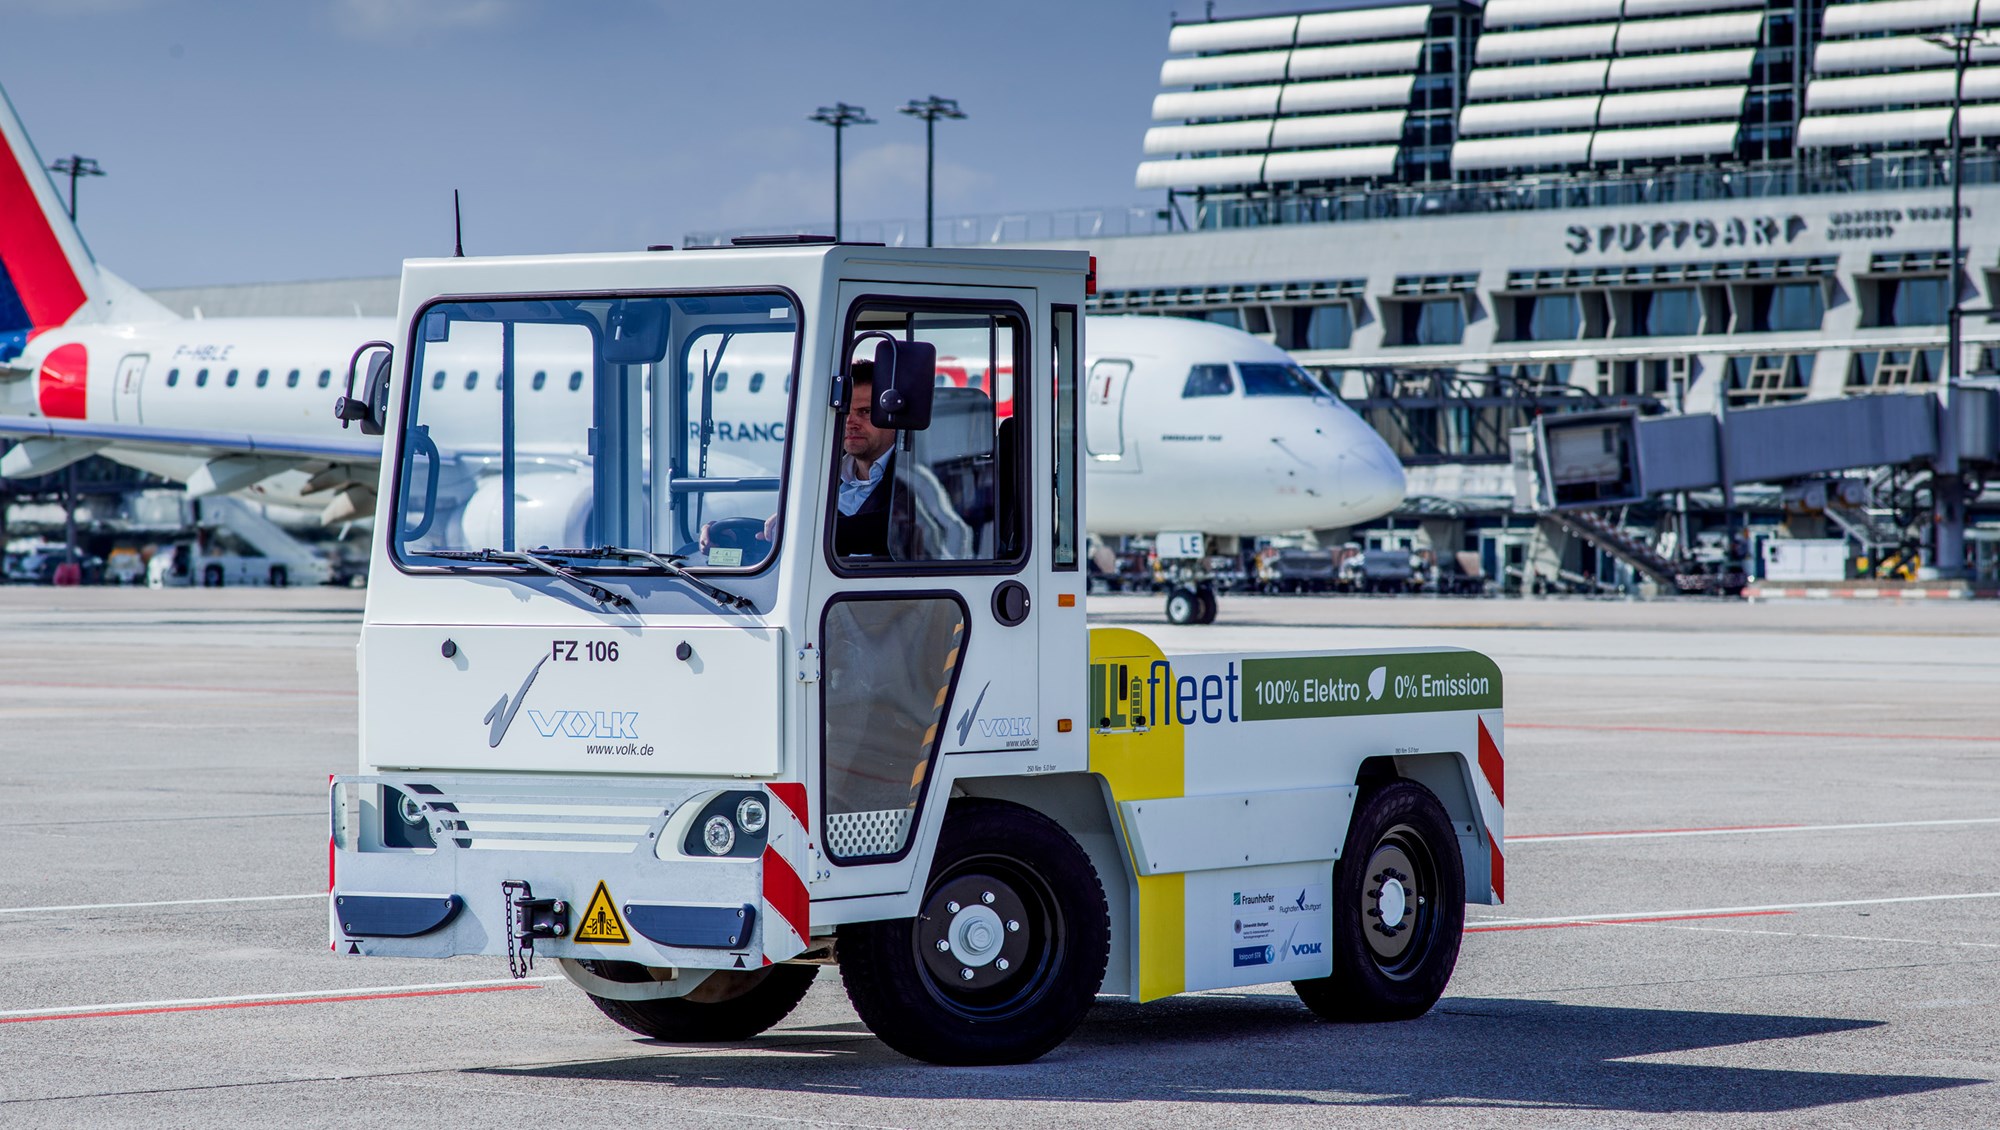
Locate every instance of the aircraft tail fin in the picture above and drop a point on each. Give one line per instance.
(47, 275)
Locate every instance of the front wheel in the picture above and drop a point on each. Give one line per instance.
(1398, 910)
(1007, 950)
(729, 1005)
(1183, 606)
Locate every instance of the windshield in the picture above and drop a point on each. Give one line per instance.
(653, 423)
(1274, 378)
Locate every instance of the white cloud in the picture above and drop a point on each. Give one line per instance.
(396, 19)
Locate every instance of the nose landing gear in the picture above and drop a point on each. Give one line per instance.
(1191, 604)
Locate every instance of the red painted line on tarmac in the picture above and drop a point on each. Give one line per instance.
(1620, 921)
(1652, 832)
(266, 1004)
(1513, 725)
(320, 692)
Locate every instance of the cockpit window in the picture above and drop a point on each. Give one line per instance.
(1208, 380)
(648, 457)
(1271, 378)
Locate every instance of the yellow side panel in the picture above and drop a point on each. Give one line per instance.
(1141, 757)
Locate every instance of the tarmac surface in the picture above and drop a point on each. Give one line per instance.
(1751, 868)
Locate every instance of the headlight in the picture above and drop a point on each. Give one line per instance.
(718, 836)
(750, 815)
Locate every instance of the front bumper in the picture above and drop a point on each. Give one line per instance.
(606, 860)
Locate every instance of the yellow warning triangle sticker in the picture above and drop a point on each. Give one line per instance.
(601, 924)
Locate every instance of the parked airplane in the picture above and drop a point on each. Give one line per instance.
(1191, 428)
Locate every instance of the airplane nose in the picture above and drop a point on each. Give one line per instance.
(1372, 477)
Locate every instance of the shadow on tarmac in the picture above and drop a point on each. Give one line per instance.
(1254, 1049)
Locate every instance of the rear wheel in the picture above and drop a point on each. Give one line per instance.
(1005, 955)
(1205, 598)
(729, 1005)
(279, 577)
(211, 577)
(1398, 910)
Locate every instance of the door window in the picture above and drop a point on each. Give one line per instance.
(953, 492)
(889, 669)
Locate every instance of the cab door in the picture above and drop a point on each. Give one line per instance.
(929, 634)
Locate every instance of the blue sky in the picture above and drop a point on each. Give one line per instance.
(322, 138)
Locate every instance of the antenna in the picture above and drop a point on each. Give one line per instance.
(457, 229)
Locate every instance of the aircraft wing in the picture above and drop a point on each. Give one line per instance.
(192, 441)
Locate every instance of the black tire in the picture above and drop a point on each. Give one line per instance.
(1400, 835)
(279, 577)
(1205, 597)
(1032, 985)
(211, 577)
(1183, 606)
(728, 1006)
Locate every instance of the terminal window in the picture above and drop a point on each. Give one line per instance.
(1786, 306)
(1672, 312)
(1436, 321)
(1322, 327)
(1920, 301)
(1548, 317)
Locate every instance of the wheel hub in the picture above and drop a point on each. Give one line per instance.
(974, 933)
(1391, 901)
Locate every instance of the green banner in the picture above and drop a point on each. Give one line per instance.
(1338, 686)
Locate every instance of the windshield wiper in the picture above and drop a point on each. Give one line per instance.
(598, 593)
(670, 565)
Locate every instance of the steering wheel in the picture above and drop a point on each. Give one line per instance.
(745, 534)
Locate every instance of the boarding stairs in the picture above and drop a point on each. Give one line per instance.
(1598, 529)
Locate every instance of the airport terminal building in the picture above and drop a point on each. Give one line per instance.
(1465, 216)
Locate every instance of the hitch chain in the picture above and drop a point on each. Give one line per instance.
(529, 918)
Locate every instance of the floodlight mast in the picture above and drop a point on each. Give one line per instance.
(930, 110)
(1947, 486)
(840, 115)
(75, 167)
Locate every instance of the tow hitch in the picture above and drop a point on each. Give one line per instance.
(529, 918)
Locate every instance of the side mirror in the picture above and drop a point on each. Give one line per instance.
(905, 384)
(635, 332)
(371, 409)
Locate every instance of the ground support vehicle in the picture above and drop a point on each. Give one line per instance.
(647, 702)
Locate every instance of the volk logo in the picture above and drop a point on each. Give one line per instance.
(992, 727)
(965, 720)
(586, 723)
(557, 723)
(502, 715)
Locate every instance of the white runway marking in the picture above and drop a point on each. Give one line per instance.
(1721, 910)
(1749, 830)
(167, 902)
(306, 995)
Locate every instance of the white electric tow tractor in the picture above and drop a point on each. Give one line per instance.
(694, 703)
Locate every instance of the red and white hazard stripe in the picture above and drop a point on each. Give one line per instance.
(787, 850)
(1492, 788)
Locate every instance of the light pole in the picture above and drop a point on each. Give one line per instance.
(1947, 486)
(930, 110)
(840, 115)
(75, 167)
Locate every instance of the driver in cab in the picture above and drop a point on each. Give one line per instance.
(867, 468)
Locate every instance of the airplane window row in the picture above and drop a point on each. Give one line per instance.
(472, 381)
(263, 378)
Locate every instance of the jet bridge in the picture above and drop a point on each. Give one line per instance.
(1566, 465)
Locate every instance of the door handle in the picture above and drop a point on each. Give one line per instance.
(1010, 603)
